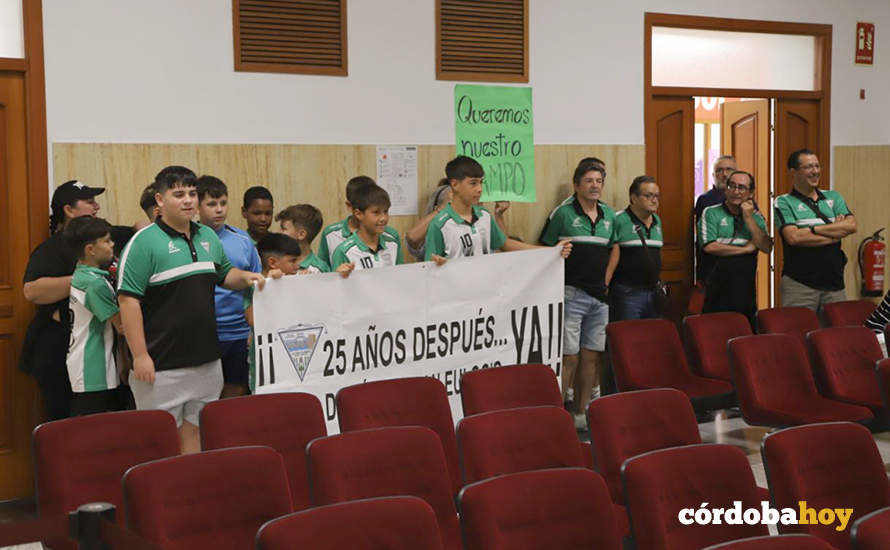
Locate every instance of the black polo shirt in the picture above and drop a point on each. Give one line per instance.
(638, 266)
(585, 268)
(819, 267)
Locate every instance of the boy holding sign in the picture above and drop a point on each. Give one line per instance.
(463, 227)
(373, 245)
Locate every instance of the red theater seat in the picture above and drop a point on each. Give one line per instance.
(707, 335)
(627, 424)
(658, 485)
(882, 369)
(287, 422)
(834, 465)
(872, 531)
(565, 508)
(851, 313)
(420, 401)
(380, 462)
(775, 385)
(389, 523)
(781, 542)
(213, 499)
(844, 365)
(797, 321)
(509, 387)
(80, 460)
(648, 354)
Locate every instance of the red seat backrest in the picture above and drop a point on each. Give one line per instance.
(848, 313)
(287, 422)
(560, 508)
(787, 320)
(517, 440)
(214, 499)
(658, 485)
(80, 460)
(844, 360)
(509, 387)
(387, 523)
(882, 369)
(830, 465)
(872, 531)
(419, 401)
(405, 460)
(707, 336)
(627, 424)
(779, 542)
(646, 353)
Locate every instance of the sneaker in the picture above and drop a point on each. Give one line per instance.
(570, 394)
(596, 392)
(581, 422)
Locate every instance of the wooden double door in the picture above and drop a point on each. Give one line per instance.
(670, 123)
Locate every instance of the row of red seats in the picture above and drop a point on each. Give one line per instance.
(164, 498)
(770, 376)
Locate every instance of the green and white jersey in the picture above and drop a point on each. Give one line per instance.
(353, 249)
(718, 224)
(636, 267)
(174, 277)
(333, 235)
(819, 267)
(451, 236)
(91, 365)
(314, 264)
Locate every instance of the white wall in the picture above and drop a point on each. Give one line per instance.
(162, 71)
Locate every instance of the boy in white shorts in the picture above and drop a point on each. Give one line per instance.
(167, 276)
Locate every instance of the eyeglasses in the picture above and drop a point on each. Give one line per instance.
(738, 187)
(724, 169)
(814, 166)
(650, 196)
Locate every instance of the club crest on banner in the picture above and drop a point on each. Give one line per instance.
(300, 343)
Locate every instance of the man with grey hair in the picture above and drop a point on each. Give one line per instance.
(723, 167)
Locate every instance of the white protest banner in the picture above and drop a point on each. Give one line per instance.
(319, 333)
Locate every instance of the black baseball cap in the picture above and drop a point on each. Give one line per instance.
(71, 192)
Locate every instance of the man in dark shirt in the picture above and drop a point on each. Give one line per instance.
(723, 167)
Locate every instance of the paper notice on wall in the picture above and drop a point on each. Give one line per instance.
(397, 173)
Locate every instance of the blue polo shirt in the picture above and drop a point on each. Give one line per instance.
(230, 321)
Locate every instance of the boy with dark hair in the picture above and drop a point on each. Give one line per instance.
(167, 275)
(337, 232)
(303, 222)
(148, 204)
(463, 227)
(258, 210)
(95, 316)
(231, 326)
(371, 246)
(280, 255)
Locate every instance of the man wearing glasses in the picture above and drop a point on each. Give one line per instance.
(812, 223)
(632, 292)
(723, 167)
(730, 235)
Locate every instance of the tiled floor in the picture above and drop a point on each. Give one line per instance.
(732, 431)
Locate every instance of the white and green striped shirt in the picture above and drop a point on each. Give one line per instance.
(91, 365)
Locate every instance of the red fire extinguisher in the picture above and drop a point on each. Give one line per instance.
(871, 264)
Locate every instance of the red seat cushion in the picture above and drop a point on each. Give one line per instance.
(844, 363)
(707, 336)
(775, 386)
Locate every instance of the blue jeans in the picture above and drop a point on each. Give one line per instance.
(628, 302)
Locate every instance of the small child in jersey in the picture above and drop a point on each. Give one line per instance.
(94, 319)
(372, 245)
(303, 222)
(279, 255)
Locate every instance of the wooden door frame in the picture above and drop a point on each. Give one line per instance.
(32, 67)
(822, 95)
